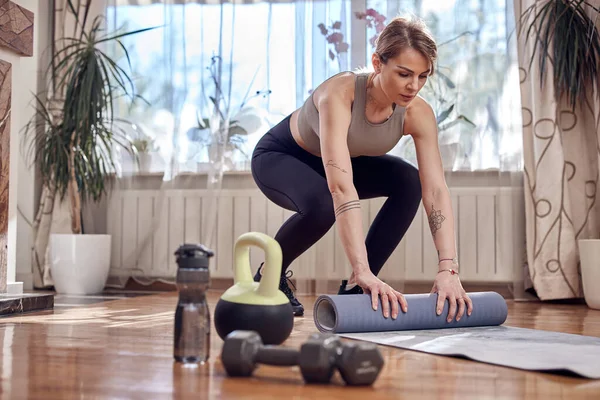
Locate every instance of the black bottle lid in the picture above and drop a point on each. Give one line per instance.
(190, 255)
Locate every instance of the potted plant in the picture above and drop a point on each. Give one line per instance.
(566, 37)
(71, 138)
(227, 129)
(144, 147)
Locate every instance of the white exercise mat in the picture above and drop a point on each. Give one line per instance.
(528, 349)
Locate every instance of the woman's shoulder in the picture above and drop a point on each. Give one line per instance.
(419, 117)
(419, 107)
(341, 84)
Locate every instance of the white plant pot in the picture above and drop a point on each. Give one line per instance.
(145, 160)
(449, 152)
(79, 264)
(589, 253)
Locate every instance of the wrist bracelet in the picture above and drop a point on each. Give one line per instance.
(452, 271)
(454, 260)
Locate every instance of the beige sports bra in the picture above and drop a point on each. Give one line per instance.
(364, 138)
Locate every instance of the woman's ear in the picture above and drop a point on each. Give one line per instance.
(376, 63)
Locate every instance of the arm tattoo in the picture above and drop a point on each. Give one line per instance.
(347, 206)
(435, 220)
(331, 163)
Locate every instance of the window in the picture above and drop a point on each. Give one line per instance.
(279, 46)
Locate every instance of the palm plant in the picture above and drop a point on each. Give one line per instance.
(73, 136)
(566, 36)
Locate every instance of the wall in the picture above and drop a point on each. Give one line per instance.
(23, 189)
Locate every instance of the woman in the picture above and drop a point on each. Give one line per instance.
(330, 153)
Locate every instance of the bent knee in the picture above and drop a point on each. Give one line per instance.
(410, 182)
(318, 205)
(414, 181)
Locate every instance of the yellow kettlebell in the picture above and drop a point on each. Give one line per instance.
(256, 306)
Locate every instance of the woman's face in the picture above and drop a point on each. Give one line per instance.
(403, 76)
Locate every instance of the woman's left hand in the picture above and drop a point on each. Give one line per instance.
(448, 286)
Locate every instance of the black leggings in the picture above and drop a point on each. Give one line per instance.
(295, 179)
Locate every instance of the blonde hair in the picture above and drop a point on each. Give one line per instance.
(406, 32)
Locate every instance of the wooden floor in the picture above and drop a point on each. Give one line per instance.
(123, 349)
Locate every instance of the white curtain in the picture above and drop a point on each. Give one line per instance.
(283, 44)
(149, 2)
(254, 53)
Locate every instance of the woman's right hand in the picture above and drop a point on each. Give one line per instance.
(375, 287)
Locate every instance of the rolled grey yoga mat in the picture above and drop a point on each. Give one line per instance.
(353, 313)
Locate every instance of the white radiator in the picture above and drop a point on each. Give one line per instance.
(489, 222)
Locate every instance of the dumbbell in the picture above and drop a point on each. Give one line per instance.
(318, 357)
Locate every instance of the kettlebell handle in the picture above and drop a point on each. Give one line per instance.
(242, 274)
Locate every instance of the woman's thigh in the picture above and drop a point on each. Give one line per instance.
(383, 176)
(289, 182)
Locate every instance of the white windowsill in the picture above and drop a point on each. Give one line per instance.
(244, 180)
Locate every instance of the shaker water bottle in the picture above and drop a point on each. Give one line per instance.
(192, 316)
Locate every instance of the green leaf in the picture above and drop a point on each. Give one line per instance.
(568, 38)
(447, 80)
(122, 35)
(442, 117)
(467, 120)
(87, 81)
(237, 130)
(457, 120)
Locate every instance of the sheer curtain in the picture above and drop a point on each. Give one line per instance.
(267, 56)
(249, 47)
(477, 81)
(280, 46)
